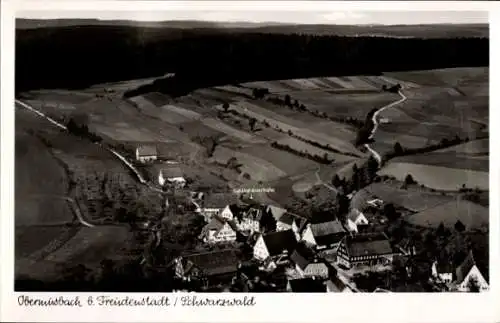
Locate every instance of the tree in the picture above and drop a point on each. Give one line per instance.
(225, 106)
(371, 168)
(336, 181)
(288, 100)
(398, 149)
(342, 206)
(459, 226)
(390, 212)
(252, 123)
(409, 180)
(441, 230)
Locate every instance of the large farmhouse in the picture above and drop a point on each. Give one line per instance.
(172, 175)
(145, 154)
(325, 234)
(206, 266)
(365, 250)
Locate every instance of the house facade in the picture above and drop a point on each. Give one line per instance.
(218, 230)
(249, 221)
(207, 265)
(172, 175)
(443, 271)
(146, 154)
(356, 219)
(277, 246)
(365, 250)
(324, 235)
(468, 274)
(218, 204)
(307, 264)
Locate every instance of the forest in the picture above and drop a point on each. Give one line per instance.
(76, 57)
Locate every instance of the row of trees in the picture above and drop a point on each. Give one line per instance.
(320, 159)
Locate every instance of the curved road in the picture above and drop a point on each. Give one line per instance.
(376, 123)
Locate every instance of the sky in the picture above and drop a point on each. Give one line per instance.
(300, 17)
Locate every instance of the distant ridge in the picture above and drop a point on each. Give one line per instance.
(373, 30)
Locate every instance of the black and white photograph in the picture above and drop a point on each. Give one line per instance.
(216, 151)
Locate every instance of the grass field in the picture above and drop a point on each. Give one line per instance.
(301, 146)
(470, 214)
(413, 198)
(475, 147)
(258, 168)
(446, 159)
(287, 162)
(438, 177)
(444, 77)
(287, 124)
(91, 245)
(345, 104)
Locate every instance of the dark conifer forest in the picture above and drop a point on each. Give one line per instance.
(74, 57)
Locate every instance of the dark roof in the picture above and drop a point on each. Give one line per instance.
(307, 285)
(329, 239)
(326, 228)
(287, 218)
(323, 217)
(302, 256)
(172, 171)
(444, 267)
(276, 211)
(465, 267)
(219, 200)
(368, 244)
(354, 214)
(277, 242)
(213, 263)
(147, 151)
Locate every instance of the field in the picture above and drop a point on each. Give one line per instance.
(345, 104)
(475, 147)
(259, 169)
(287, 162)
(438, 177)
(287, 124)
(444, 77)
(412, 198)
(301, 146)
(446, 159)
(470, 214)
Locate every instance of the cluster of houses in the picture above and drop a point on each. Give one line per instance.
(309, 249)
(312, 250)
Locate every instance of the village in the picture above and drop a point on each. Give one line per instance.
(246, 245)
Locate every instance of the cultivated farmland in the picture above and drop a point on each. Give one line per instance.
(470, 214)
(438, 177)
